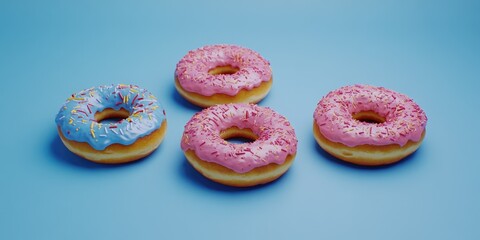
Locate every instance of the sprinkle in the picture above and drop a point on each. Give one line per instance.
(75, 99)
(121, 131)
(86, 114)
(214, 113)
(133, 90)
(91, 129)
(135, 98)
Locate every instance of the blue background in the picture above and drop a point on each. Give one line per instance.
(428, 50)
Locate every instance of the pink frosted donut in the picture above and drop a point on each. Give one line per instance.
(246, 164)
(368, 125)
(223, 74)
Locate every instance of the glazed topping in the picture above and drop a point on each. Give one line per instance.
(404, 120)
(76, 118)
(193, 69)
(276, 137)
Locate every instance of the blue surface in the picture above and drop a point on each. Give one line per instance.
(428, 50)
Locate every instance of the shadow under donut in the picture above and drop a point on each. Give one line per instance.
(332, 159)
(182, 101)
(61, 154)
(188, 105)
(193, 176)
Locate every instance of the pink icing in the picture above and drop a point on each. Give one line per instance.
(404, 119)
(276, 137)
(192, 70)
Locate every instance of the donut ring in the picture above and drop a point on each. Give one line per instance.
(241, 165)
(220, 74)
(368, 125)
(137, 135)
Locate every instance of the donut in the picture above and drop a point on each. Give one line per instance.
(139, 131)
(220, 74)
(368, 125)
(267, 157)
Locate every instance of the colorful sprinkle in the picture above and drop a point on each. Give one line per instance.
(192, 71)
(404, 119)
(77, 115)
(276, 137)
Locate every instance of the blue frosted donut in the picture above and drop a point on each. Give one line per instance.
(139, 132)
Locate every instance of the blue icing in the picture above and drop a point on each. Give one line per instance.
(76, 118)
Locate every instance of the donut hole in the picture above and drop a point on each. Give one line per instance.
(110, 115)
(237, 135)
(227, 69)
(369, 117)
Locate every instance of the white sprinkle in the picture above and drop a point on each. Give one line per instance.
(121, 131)
(106, 131)
(113, 130)
(103, 135)
(62, 117)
